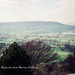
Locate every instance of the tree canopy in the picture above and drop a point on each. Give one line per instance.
(15, 56)
(41, 52)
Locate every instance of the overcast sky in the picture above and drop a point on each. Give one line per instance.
(37, 10)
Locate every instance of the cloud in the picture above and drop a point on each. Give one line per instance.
(16, 2)
(66, 10)
(47, 10)
(14, 10)
(68, 4)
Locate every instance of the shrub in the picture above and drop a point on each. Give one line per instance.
(70, 61)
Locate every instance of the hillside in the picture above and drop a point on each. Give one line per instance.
(71, 24)
(13, 31)
(46, 27)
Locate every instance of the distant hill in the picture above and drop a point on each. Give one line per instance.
(20, 31)
(44, 27)
(71, 24)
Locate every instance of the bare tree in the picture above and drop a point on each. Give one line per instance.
(40, 52)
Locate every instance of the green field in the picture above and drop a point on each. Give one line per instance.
(54, 34)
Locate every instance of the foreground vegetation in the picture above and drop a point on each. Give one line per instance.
(36, 58)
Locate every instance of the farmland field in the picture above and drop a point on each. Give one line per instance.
(49, 33)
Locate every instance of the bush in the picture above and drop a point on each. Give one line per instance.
(69, 47)
(70, 61)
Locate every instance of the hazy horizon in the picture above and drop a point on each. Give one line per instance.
(71, 24)
(37, 10)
